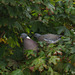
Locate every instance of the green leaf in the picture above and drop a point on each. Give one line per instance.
(11, 42)
(73, 11)
(72, 58)
(38, 1)
(50, 70)
(68, 10)
(42, 54)
(17, 72)
(40, 64)
(11, 11)
(73, 49)
(2, 50)
(29, 52)
(67, 32)
(60, 30)
(53, 60)
(28, 15)
(12, 2)
(67, 67)
(2, 65)
(26, 72)
(18, 26)
(59, 66)
(51, 7)
(72, 18)
(27, 29)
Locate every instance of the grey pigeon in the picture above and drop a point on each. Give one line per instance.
(48, 38)
(29, 44)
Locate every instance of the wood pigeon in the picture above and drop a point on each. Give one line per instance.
(29, 44)
(48, 38)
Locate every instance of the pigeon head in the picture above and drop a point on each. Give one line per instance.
(37, 35)
(23, 35)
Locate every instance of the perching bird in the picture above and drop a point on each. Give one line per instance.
(48, 38)
(29, 44)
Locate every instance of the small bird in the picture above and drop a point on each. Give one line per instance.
(48, 38)
(29, 44)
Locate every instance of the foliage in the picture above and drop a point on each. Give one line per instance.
(42, 16)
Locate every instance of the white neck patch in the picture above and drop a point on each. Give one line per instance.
(28, 37)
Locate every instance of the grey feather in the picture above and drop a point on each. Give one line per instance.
(48, 38)
(29, 44)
